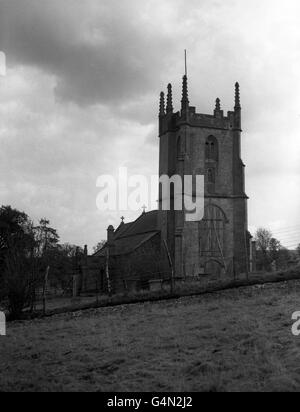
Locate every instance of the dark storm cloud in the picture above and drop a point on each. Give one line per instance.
(100, 52)
(81, 97)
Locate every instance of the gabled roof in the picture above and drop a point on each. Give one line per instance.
(147, 222)
(130, 236)
(122, 229)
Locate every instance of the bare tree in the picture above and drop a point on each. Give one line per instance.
(99, 246)
(270, 250)
(263, 239)
(275, 248)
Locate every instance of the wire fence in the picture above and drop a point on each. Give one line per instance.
(93, 280)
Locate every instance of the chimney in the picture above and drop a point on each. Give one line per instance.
(110, 235)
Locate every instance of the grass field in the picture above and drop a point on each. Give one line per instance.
(238, 340)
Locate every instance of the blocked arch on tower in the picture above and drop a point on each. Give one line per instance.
(214, 267)
(212, 237)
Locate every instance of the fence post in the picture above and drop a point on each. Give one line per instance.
(246, 254)
(171, 266)
(97, 289)
(75, 286)
(234, 268)
(107, 272)
(45, 289)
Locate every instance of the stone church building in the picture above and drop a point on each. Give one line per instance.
(162, 242)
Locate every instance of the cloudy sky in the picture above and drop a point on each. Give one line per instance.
(80, 99)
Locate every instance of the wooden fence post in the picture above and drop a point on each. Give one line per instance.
(171, 266)
(45, 289)
(107, 273)
(246, 255)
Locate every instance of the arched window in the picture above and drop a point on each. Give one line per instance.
(212, 149)
(181, 149)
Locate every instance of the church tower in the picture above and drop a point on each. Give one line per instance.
(210, 145)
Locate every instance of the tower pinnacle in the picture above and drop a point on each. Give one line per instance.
(237, 97)
(162, 104)
(170, 99)
(218, 112)
(185, 96)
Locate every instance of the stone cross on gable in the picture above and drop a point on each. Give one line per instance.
(144, 209)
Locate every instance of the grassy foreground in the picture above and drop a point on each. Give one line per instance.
(237, 340)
